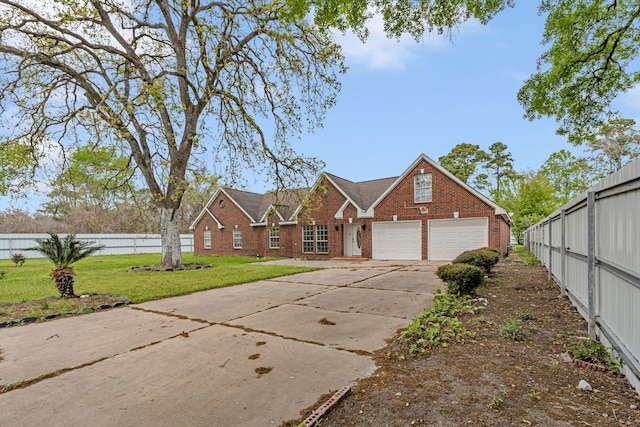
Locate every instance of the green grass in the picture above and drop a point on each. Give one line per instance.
(107, 275)
(526, 256)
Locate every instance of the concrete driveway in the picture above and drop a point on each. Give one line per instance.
(249, 355)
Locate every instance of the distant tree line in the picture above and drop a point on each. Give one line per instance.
(532, 195)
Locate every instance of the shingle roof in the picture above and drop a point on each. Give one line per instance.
(363, 193)
(256, 205)
(252, 203)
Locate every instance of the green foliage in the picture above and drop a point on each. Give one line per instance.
(512, 329)
(530, 197)
(461, 279)
(593, 47)
(526, 314)
(525, 256)
(64, 252)
(616, 144)
(400, 17)
(2, 274)
(18, 259)
(439, 325)
(485, 259)
(463, 161)
(592, 351)
(495, 402)
(568, 175)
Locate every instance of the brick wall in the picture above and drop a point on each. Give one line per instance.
(447, 197)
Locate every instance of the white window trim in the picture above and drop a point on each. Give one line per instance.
(304, 227)
(237, 238)
(318, 241)
(273, 238)
(428, 190)
(206, 236)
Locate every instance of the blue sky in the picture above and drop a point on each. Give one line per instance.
(399, 100)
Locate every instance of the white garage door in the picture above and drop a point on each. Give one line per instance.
(448, 238)
(397, 240)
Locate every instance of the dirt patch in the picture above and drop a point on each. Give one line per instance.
(21, 313)
(494, 380)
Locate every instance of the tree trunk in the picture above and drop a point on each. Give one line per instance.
(64, 281)
(170, 238)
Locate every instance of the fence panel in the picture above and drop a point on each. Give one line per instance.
(600, 274)
(115, 244)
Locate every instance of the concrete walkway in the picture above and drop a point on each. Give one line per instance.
(248, 355)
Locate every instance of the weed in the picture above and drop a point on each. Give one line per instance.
(44, 305)
(494, 402)
(512, 330)
(2, 274)
(526, 314)
(535, 391)
(439, 325)
(592, 351)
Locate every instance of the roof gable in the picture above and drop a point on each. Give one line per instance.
(498, 210)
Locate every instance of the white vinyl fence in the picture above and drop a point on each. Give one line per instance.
(115, 244)
(591, 248)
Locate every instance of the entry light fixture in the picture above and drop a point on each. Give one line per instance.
(364, 226)
(337, 227)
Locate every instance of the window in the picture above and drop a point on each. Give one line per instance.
(207, 239)
(307, 239)
(237, 238)
(422, 188)
(322, 239)
(274, 238)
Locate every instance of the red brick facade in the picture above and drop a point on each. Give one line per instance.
(330, 208)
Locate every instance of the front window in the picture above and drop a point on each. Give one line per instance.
(207, 239)
(422, 188)
(307, 239)
(274, 238)
(322, 239)
(237, 238)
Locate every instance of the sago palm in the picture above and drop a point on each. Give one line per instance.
(63, 253)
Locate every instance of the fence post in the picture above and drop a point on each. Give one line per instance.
(563, 252)
(550, 266)
(591, 262)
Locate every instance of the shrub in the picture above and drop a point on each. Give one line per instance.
(512, 330)
(18, 259)
(482, 258)
(460, 278)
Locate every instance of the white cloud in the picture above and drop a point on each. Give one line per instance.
(631, 99)
(381, 52)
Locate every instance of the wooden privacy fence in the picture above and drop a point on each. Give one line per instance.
(591, 248)
(115, 244)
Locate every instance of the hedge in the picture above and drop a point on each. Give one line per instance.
(461, 278)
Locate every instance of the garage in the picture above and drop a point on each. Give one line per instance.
(448, 238)
(397, 240)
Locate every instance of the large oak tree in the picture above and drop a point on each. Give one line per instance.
(164, 80)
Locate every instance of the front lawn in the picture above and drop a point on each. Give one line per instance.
(107, 274)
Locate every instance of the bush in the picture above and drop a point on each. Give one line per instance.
(461, 278)
(483, 258)
(18, 259)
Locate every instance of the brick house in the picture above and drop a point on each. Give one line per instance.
(425, 213)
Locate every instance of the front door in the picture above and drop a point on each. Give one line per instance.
(352, 240)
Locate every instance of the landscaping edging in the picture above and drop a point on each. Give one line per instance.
(122, 301)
